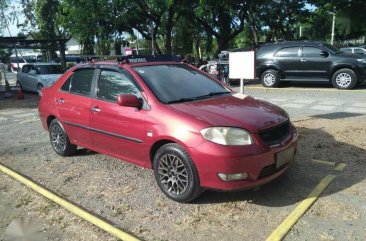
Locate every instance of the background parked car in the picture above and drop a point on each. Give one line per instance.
(33, 77)
(308, 61)
(354, 50)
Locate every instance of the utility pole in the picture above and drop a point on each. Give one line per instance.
(333, 27)
(152, 39)
(300, 32)
(137, 42)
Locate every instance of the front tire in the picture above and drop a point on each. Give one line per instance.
(176, 174)
(59, 140)
(344, 79)
(19, 85)
(270, 78)
(39, 88)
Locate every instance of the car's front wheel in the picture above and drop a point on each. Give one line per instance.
(176, 174)
(344, 79)
(39, 88)
(19, 85)
(270, 78)
(59, 140)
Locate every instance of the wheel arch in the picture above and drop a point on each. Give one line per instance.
(49, 120)
(267, 67)
(345, 66)
(155, 147)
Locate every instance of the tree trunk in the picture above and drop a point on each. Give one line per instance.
(253, 27)
(168, 31)
(62, 47)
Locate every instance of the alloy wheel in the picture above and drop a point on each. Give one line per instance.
(173, 174)
(58, 139)
(269, 79)
(343, 80)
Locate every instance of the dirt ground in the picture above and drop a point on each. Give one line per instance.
(128, 197)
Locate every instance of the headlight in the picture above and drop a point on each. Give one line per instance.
(227, 136)
(362, 60)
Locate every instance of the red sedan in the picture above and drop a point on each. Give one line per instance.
(194, 132)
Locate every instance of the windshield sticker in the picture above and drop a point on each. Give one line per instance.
(141, 71)
(138, 60)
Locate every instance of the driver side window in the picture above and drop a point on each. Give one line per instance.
(112, 83)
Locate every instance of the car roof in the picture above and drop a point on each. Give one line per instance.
(135, 60)
(42, 63)
(295, 42)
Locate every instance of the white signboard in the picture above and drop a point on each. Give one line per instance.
(242, 65)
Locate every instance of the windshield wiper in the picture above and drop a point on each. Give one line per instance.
(181, 100)
(198, 97)
(212, 94)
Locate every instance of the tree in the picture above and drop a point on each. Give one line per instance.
(349, 16)
(281, 17)
(223, 20)
(49, 15)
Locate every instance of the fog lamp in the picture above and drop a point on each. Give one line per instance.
(233, 177)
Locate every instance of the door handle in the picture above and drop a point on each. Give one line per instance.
(95, 109)
(304, 60)
(60, 101)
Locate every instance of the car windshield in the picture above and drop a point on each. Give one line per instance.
(49, 69)
(332, 48)
(177, 83)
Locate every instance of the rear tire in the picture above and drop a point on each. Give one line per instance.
(176, 174)
(270, 78)
(344, 79)
(60, 142)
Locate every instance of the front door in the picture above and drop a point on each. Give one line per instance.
(118, 130)
(315, 65)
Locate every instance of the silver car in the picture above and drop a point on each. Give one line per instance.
(34, 76)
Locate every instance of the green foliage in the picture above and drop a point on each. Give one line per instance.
(191, 26)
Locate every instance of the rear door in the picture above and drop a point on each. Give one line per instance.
(73, 106)
(288, 59)
(118, 130)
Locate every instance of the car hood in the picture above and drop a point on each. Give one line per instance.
(231, 110)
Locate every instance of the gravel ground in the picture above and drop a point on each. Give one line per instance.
(127, 195)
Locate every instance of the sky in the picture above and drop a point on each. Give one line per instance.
(14, 6)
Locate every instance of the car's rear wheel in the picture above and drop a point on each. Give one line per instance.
(344, 79)
(176, 174)
(59, 140)
(270, 78)
(39, 88)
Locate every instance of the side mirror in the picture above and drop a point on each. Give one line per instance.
(324, 54)
(129, 101)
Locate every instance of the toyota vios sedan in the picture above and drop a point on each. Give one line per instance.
(194, 132)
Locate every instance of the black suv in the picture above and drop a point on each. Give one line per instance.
(308, 61)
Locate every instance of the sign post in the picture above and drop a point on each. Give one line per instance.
(242, 66)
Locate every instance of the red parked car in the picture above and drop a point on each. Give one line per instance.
(194, 132)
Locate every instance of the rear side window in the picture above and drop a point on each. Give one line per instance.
(80, 81)
(311, 52)
(288, 52)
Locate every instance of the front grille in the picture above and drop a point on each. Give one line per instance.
(274, 135)
(269, 170)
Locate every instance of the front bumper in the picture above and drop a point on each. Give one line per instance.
(257, 160)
